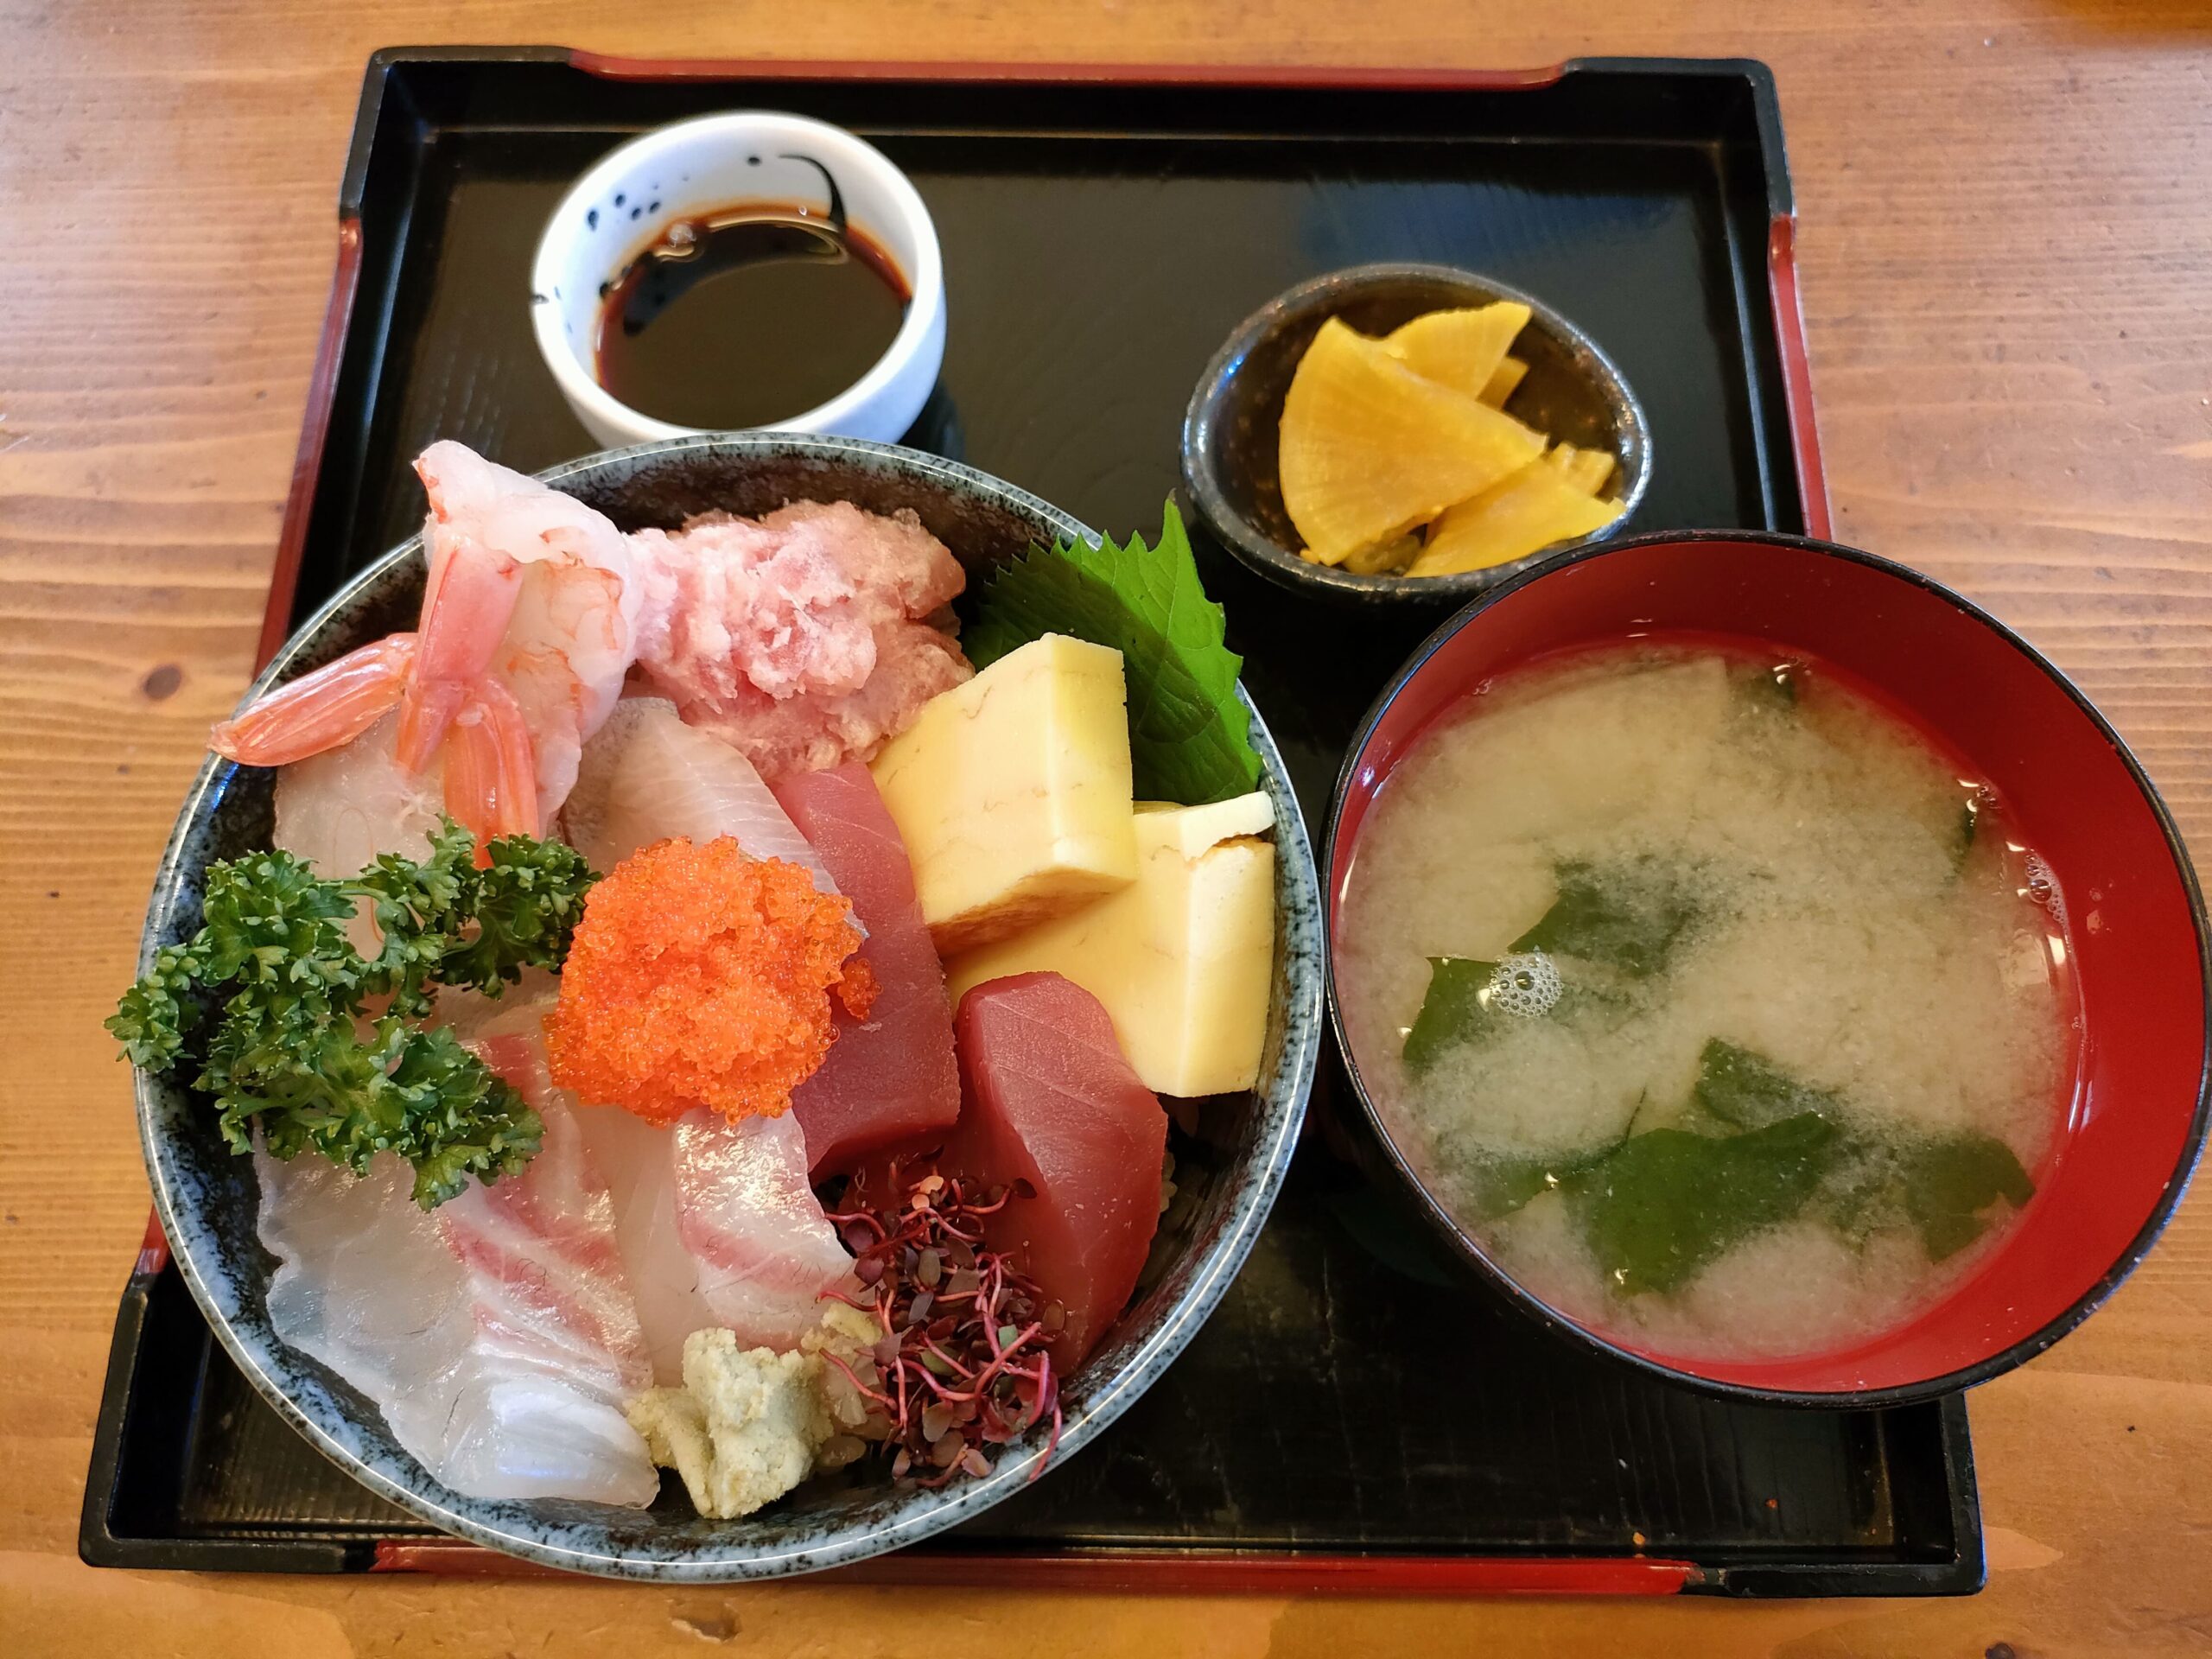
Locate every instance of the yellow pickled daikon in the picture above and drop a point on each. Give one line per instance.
(1460, 349)
(1586, 470)
(1503, 381)
(1370, 448)
(1520, 515)
(1384, 558)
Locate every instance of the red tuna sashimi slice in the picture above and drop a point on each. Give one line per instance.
(1051, 1100)
(891, 1076)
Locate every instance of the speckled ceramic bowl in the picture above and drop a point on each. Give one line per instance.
(1227, 1174)
(1572, 393)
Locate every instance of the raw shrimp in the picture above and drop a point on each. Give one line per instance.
(319, 711)
(527, 627)
(532, 588)
(489, 782)
(801, 639)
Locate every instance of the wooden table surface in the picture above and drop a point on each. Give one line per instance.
(2006, 246)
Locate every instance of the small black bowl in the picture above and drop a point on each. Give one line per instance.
(1230, 432)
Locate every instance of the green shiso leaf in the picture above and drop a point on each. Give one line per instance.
(1189, 739)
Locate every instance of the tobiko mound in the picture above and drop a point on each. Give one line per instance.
(610, 1164)
(700, 976)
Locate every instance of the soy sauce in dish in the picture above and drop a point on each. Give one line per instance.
(749, 316)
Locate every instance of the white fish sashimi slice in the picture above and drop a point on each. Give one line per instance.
(547, 1279)
(342, 809)
(746, 1211)
(712, 1224)
(547, 1240)
(647, 776)
(638, 1161)
(717, 1227)
(507, 1032)
(496, 1334)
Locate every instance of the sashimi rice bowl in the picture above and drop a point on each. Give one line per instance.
(729, 1005)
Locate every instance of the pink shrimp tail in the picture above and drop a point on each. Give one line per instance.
(319, 711)
(466, 607)
(426, 712)
(490, 774)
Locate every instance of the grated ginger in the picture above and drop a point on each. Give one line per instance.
(743, 1428)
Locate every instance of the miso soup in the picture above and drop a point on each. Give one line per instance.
(1731, 1015)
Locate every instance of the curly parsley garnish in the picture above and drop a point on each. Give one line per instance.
(293, 1050)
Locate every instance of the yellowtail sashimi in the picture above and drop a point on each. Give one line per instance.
(647, 776)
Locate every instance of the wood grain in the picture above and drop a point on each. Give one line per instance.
(2006, 255)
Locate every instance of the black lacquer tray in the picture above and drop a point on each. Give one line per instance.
(1357, 1416)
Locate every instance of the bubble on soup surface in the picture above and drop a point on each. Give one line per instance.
(2042, 887)
(1527, 984)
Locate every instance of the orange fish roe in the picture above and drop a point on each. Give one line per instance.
(700, 976)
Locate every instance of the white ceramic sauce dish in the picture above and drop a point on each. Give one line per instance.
(626, 202)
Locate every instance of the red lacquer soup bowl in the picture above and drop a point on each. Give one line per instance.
(2137, 1117)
